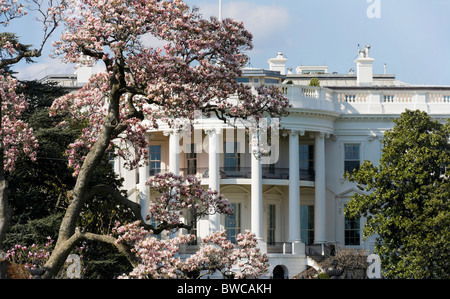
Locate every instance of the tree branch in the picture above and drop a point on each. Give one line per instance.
(109, 240)
(116, 195)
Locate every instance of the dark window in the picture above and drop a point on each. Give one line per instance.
(232, 159)
(352, 231)
(155, 159)
(191, 159)
(306, 162)
(352, 157)
(307, 224)
(233, 223)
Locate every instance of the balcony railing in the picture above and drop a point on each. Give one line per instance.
(267, 173)
(279, 248)
(246, 173)
(369, 100)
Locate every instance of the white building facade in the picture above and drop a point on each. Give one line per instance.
(295, 206)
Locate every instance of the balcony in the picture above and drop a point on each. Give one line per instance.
(368, 99)
(246, 173)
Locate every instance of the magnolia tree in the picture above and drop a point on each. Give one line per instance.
(142, 87)
(15, 135)
(161, 259)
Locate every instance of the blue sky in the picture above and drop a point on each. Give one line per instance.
(411, 36)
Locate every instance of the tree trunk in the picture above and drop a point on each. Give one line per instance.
(66, 237)
(64, 243)
(5, 210)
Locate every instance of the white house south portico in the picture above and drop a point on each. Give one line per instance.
(293, 204)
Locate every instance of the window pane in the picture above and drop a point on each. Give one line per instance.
(155, 159)
(352, 231)
(352, 152)
(271, 224)
(351, 166)
(306, 162)
(191, 159)
(352, 157)
(233, 223)
(307, 224)
(231, 158)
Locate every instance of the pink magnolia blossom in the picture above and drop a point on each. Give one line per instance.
(157, 258)
(16, 136)
(177, 193)
(241, 260)
(146, 86)
(194, 71)
(161, 258)
(10, 9)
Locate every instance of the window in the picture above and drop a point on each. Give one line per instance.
(271, 81)
(352, 231)
(243, 80)
(111, 160)
(233, 223)
(232, 159)
(271, 227)
(155, 224)
(306, 162)
(191, 160)
(155, 159)
(191, 220)
(352, 157)
(307, 224)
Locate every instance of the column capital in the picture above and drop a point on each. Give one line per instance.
(216, 131)
(321, 135)
(297, 132)
(171, 132)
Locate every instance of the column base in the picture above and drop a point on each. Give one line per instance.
(298, 247)
(262, 245)
(322, 246)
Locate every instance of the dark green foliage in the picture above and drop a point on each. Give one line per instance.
(314, 82)
(407, 204)
(18, 46)
(39, 190)
(34, 231)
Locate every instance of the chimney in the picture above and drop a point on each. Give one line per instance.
(364, 67)
(278, 64)
(84, 70)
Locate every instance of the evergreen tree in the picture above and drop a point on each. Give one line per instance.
(37, 188)
(407, 201)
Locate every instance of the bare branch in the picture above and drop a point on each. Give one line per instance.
(109, 240)
(116, 195)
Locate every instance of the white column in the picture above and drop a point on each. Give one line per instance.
(320, 205)
(144, 190)
(174, 152)
(294, 187)
(214, 173)
(256, 198)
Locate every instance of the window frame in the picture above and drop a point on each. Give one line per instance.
(233, 156)
(348, 232)
(233, 231)
(153, 171)
(351, 159)
(191, 157)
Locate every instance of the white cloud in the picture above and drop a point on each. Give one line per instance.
(267, 23)
(264, 21)
(42, 67)
(49, 66)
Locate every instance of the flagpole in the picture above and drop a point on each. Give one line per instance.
(220, 10)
